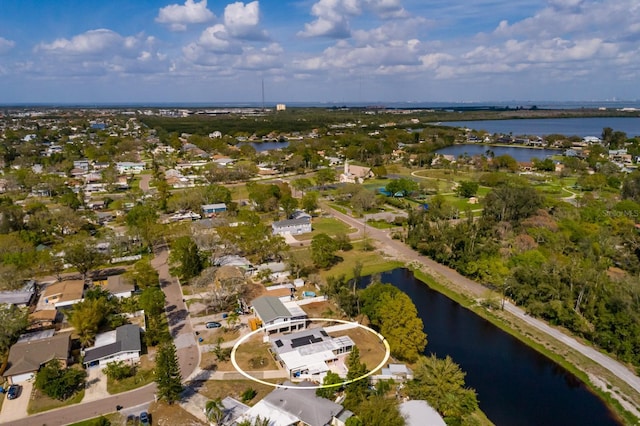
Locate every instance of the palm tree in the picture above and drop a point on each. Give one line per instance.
(214, 410)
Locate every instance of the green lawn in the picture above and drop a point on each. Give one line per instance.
(40, 402)
(238, 192)
(372, 262)
(326, 225)
(141, 378)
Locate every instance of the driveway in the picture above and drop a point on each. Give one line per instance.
(13, 409)
(96, 387)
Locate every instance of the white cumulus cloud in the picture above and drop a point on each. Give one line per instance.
(179, 16)
(243, 21)
(93, 42)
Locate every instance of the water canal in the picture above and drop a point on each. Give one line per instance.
(515, 384)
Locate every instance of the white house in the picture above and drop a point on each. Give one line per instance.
(127, 167)
(121, 344)
(292, 226)
(276, 317)
(310, 354)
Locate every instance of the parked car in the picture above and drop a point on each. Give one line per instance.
(144, 419)
(213, 324)
(13, 392)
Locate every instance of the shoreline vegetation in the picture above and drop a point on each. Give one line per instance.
(546, 346)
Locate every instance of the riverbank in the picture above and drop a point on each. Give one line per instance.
(621, 399)
(611, 387)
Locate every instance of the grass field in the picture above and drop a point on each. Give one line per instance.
(372, 262)
(326, 225)
(40, 402)
(253, 355)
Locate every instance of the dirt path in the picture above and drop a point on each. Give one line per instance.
(453, 279)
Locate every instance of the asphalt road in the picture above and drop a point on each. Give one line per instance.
(187, 350)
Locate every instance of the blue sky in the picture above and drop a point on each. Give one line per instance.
(88, 51)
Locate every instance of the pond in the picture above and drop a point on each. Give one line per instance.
(520, 154)
(515, 384)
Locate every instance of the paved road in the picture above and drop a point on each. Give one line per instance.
(610, 364)
(144, 182)
(178, 315)
(399, 250)
(188, 356)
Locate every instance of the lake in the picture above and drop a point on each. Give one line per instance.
(515, 384)
(267, 146)
(521, 154)
(588, 126)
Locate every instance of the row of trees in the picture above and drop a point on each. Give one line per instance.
(556, 260)
(438, 381)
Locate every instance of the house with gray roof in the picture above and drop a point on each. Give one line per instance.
(278, 317)
(121, 344)
(291, 226)
(418, 413)
(290, 406)
(27, 356)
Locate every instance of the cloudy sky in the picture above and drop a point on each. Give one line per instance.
(100, 51)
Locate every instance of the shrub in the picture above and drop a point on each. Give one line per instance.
(248, 394)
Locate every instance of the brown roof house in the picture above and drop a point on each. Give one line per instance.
(61, 294)
(27, 357)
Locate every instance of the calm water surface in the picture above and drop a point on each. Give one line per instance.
(515, 384)
(519, 153)
(591, 126)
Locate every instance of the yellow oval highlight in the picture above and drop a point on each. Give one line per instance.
(346, 382)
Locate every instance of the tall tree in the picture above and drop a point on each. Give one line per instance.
(379, 411)
(168, 377)
(441, 383)
(86, 318)
(325, 176)
(141, 221)
(356, 392)
(399, 322)
(83, 254)
(323, 249)
(144, 275)
(214, 410)
(187, 258)
(13, 321)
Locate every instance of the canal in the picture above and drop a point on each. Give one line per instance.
(515, 384)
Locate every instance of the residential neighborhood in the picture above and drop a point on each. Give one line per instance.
(209, 271)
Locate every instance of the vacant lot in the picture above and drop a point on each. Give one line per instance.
(213, 389)
(253, 355)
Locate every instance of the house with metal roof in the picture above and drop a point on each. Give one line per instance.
(27, 356)
(121, 344)
(311, 354)
(278, 317)
(290, 406)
